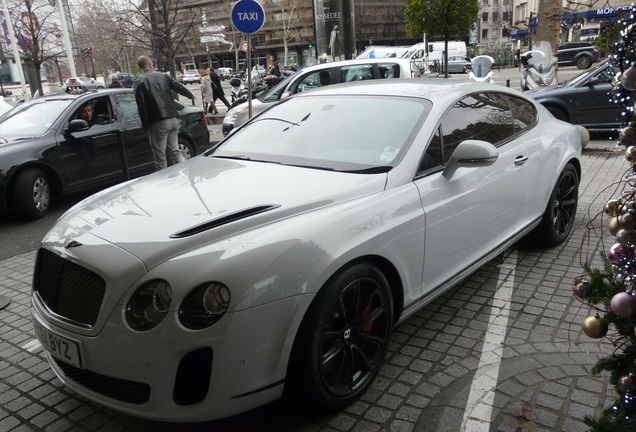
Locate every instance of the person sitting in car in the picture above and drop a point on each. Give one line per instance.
(87, 113)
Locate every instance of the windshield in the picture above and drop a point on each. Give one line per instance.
(276, 92)
(342, 133)
(32, 119)
(541, 57)
(606, 73)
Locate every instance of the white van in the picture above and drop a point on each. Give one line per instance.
(424, 55)
(225, 72)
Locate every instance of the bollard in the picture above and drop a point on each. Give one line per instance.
(508, 82)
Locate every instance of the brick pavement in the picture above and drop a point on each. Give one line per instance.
(542, 384)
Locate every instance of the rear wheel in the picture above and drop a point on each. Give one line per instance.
(559, 215)
(343, 339)
(32, 194)
(583, 62)
(186, 148)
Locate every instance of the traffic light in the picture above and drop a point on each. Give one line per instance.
(253, 50)
(89, 52)
(311, 44)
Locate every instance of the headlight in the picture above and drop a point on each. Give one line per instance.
(149, 305)
(204, 306)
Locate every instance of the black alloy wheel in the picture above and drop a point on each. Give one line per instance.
(558, 219)
(32, 194)
(343, 339)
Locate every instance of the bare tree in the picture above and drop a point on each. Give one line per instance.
(550, 17)
(284, 16)
(38, 39)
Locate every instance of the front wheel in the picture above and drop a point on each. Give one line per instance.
(342, 339)
(559, 215)
(32, 194)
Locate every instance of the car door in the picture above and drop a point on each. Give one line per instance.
(475, 210)
(91, 158)
(135, 141)
(592, 104)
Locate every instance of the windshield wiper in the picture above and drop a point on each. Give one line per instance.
(371, 170)
(276, 119)
(243, 157)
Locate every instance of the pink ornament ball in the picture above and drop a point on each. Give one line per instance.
(623, 305)
(627, 383)
(619, 253)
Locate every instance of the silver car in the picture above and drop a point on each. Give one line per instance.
(279, 261)
(86, 83)
(321, 75)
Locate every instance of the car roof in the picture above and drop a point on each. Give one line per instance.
(435, 90)
(89, 93)
(403, 61)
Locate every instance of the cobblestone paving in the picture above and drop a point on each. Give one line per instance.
(544, 381)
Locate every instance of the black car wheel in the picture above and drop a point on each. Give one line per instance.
(186, 148)
(32, 194)
(560, 213)
(343, 339)
(583, 62)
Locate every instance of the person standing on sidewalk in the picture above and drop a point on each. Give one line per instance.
(218, 90)
(158, 111)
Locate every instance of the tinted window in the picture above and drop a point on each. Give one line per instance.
(356, 73)
(523, 112)
(484, 116)
(127, 106)
(389, 70)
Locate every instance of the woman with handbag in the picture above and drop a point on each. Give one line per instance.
(207, 91)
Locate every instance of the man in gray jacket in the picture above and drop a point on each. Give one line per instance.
(158, 111)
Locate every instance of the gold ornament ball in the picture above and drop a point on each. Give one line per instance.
(613, 226)
(595, 327)
(612, 207)
(627, 136)
(630, 154)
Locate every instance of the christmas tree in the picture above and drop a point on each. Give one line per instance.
(611, 291)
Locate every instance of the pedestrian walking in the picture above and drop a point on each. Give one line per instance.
(207, 92)
(158, 111)
(217, 89)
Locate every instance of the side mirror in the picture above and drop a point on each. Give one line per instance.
(471, 154)
(77, 125)
(593, 81)
(285, 94)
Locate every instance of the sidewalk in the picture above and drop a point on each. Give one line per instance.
(502, 351)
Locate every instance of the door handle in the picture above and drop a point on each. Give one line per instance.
(520, 160)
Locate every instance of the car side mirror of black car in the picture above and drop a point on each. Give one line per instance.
(471, 154)
(593, 81)
(77, 125)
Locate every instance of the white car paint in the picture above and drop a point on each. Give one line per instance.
(177, 225)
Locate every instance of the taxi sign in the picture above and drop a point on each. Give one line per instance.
(248, 16)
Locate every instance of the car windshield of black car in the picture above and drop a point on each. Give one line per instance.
(32, 118)
(330, 132)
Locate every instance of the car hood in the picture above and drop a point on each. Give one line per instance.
(201, 201)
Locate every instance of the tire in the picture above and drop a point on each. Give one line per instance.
(186, 148)
(32, 194)
(583, 62)
(342, 340)
(558, 113)
(558, 218)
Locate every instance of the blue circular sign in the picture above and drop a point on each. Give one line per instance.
(248, 16)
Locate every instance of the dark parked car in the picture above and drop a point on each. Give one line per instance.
(49, 151)
(584, 100)
(581, 54)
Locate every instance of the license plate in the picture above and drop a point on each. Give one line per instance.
(59, 346)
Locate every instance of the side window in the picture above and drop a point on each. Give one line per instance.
(523, 113)
(97, 111)
(481, 116)
(127, 106)
(313, 80)
(356, 73)
(389, 70)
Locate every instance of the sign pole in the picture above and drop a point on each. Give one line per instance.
(248, 17)
(248, 65)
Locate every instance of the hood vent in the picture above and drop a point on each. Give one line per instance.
(224, 220)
